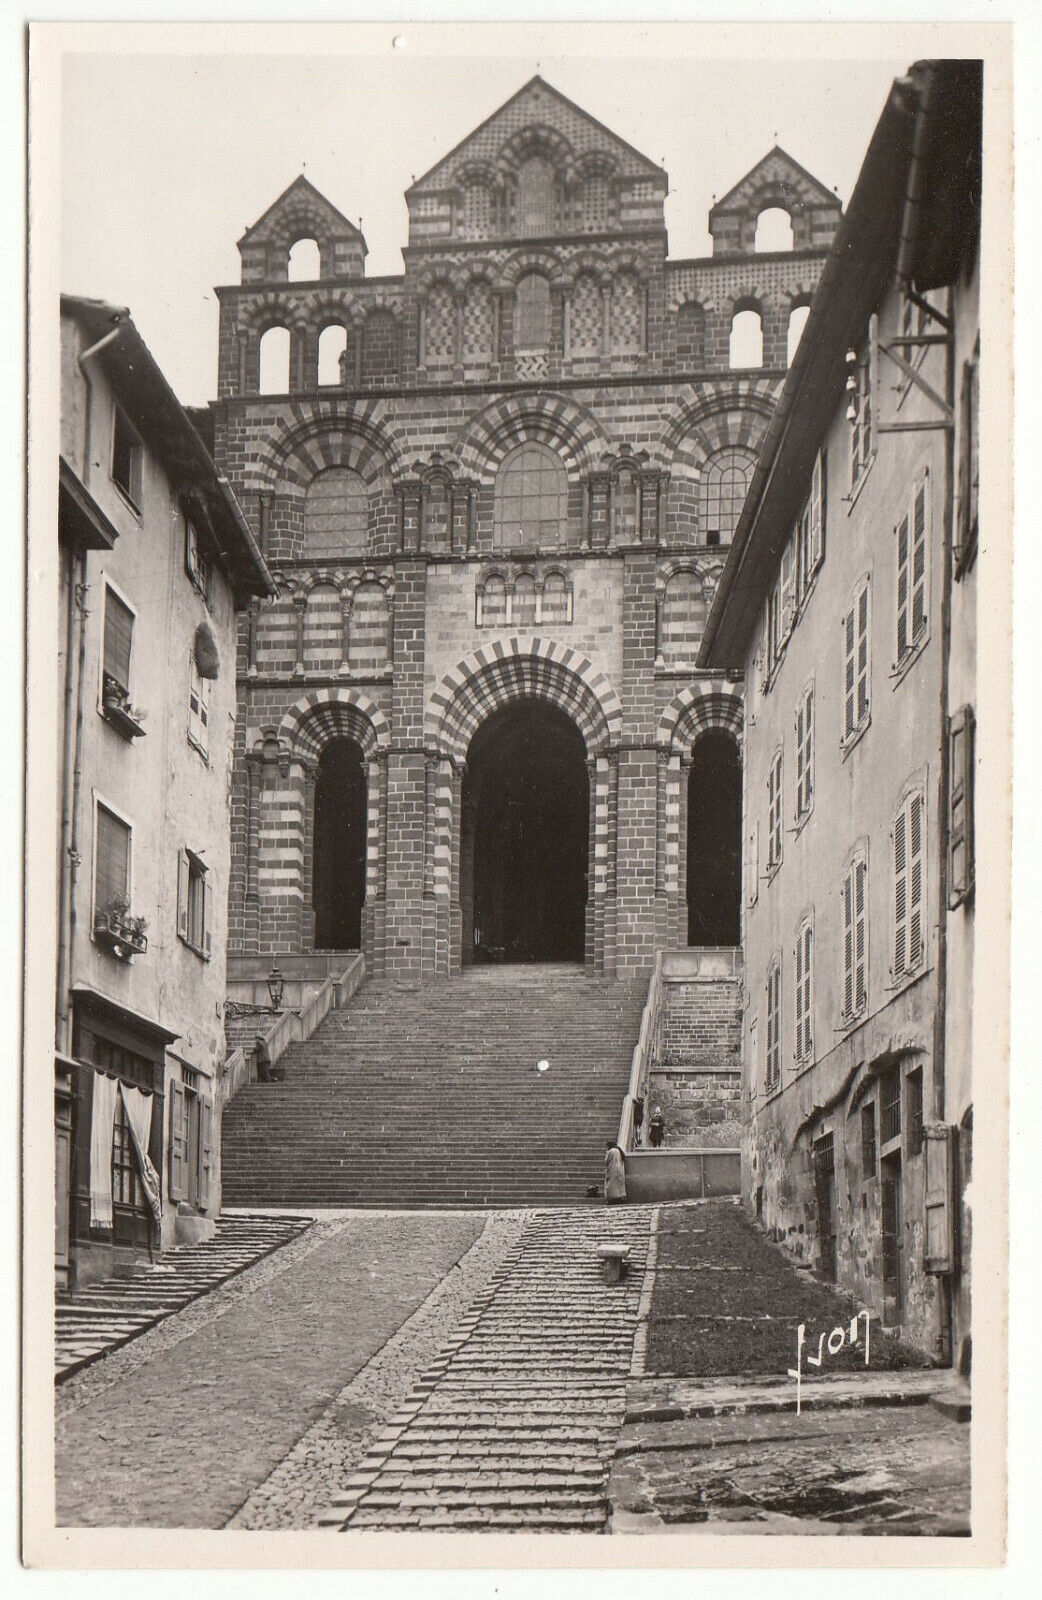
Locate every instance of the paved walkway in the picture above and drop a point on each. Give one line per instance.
(512, 1427)
(177, 1428)
(98, 1319)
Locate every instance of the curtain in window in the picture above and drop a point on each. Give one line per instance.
(138, 1108)
(102, 1116)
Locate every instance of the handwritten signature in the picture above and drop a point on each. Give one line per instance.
(839, 1339)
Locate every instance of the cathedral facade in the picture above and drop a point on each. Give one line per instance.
(496, 493)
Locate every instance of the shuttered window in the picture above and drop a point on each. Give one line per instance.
(199, 711)
(861, 416)
(126, 459)
(773, 1012)
(787, 587)
(111, 860)
(119, 639)
(912, 536)
(960, 806)
(804, 992)
(193, 903)
(774, 813)
(908, 885)
(855, 938)
(856, 699)
(969, 468)
(804, 754)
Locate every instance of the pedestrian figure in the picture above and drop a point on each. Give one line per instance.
(614, 1173)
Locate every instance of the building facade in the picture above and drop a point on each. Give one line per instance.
(849, 602)
(155, 560)
(496, 493)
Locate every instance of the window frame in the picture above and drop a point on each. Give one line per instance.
(803, 990)
(961, 785)
(863, 404)
(851, 970)
(772, 1028)
(968, 523)
(775, 811)
(908, 962)
(910, 638)
(194, 903)
(100, 802)
(804, 731)
(199, 714)
(131, 491)
(859, 676)
(529, 544)
(198, 560)
(869, 1142)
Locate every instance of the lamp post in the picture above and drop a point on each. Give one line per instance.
(275, 987)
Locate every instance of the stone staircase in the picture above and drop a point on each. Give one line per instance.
(431, 1097)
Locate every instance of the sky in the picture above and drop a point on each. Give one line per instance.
(167, 158)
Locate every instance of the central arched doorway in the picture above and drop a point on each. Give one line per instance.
(338, 878)
(714, 840)
(525, 838)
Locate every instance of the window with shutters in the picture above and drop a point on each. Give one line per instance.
(855, 937)
(193, 903)
(533, 312)
(909, 886)
(191, 1144)
(861, 415)
(113, 884)
(787, 593)
(119, 640)
(127, 458)
(914, 1112)
(531, 499)
(772, 1011)
(969, 467)
(810, 534)
(805, 755)
(856, 665)
(912, 536)
(960, 806)
(199, 711)
(751, 872)
(771, 647)
(774, 814)
(198, 564)
(804, 992)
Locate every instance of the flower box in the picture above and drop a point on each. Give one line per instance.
(116, 708)
(123, 934)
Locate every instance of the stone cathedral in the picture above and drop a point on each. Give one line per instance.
(496, 493)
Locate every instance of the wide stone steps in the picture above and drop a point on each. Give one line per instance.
(513, 1425)
(430, 1097)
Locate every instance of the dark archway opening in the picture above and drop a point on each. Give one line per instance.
(338, 872)
(525, 838)
(714, 841)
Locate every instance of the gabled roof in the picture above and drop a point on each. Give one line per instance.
(168, 431)
(581, 123)
(780, 159)
(301, 189)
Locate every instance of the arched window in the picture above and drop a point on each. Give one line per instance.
(477, 211)
(305, 262)
(746, 339)
(335, 514)
(531, 502)
(797, 322)
(332, 347)
(533, 312)
(598, 204)
(691, 335)
(492, 602)
(523, 600)
(624, 526)
(557, 598)
(725, 483)
(437, 533)
(274, 361)
(773, 230)
(535, 197)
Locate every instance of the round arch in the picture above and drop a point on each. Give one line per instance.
(546, 418)
(696, 709)
(327, 714)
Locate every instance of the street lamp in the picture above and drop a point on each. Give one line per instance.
(275, 987)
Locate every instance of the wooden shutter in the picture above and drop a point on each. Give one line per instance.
(119, 635)
(207, 898)
(752, 865)
(939, 1244)
(111, 859)
(182, 893)
(960, 806)
(817, 513)
(848, 943)
(903, 585)
(799, 953)
(788, 588)
(860, 933)
(849, 674)
(968, 468)
(918, 558)
(900, 838)
(205, 1152)
(916, 873)
(862, 655)
(178, 1142)
(765, 647)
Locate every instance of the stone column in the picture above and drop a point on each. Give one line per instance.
(605, 322)
(309, 770)
(347, 601)
(300, 602)
(255, 768)
(406, 777)
(252, 627)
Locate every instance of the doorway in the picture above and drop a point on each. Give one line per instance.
(338, 873)
(714, 839)
(892, 1240)
(525, 838)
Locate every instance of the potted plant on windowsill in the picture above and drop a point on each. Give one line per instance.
(116, 706)
(120, 930)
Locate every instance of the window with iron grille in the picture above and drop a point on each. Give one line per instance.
(914, 1112)
(804, 992)
(856, 698)
(855, 938)
(890, 1105)
(912, 534)
(774, 813)
(868, 1141)
(909, 860)
(773, 1014)
(804, 754)
(126, 459)
(861, 417)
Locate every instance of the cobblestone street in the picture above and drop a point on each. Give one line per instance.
(439, 1371)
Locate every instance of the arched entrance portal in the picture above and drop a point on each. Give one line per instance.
(525, 838)
(714, 840)
(340, 840)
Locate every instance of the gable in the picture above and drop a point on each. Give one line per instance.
(300, 203)
(776, 175)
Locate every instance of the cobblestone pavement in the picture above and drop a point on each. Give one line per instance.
(512, 1426)
(93, 1321)
(181, 1434)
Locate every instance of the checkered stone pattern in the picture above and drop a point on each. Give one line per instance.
(532, 364)
(513, 1426)
(369, 629)
(586, 317)
(478, 323)
(439, 345)
(323, 629)
(627, 314)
